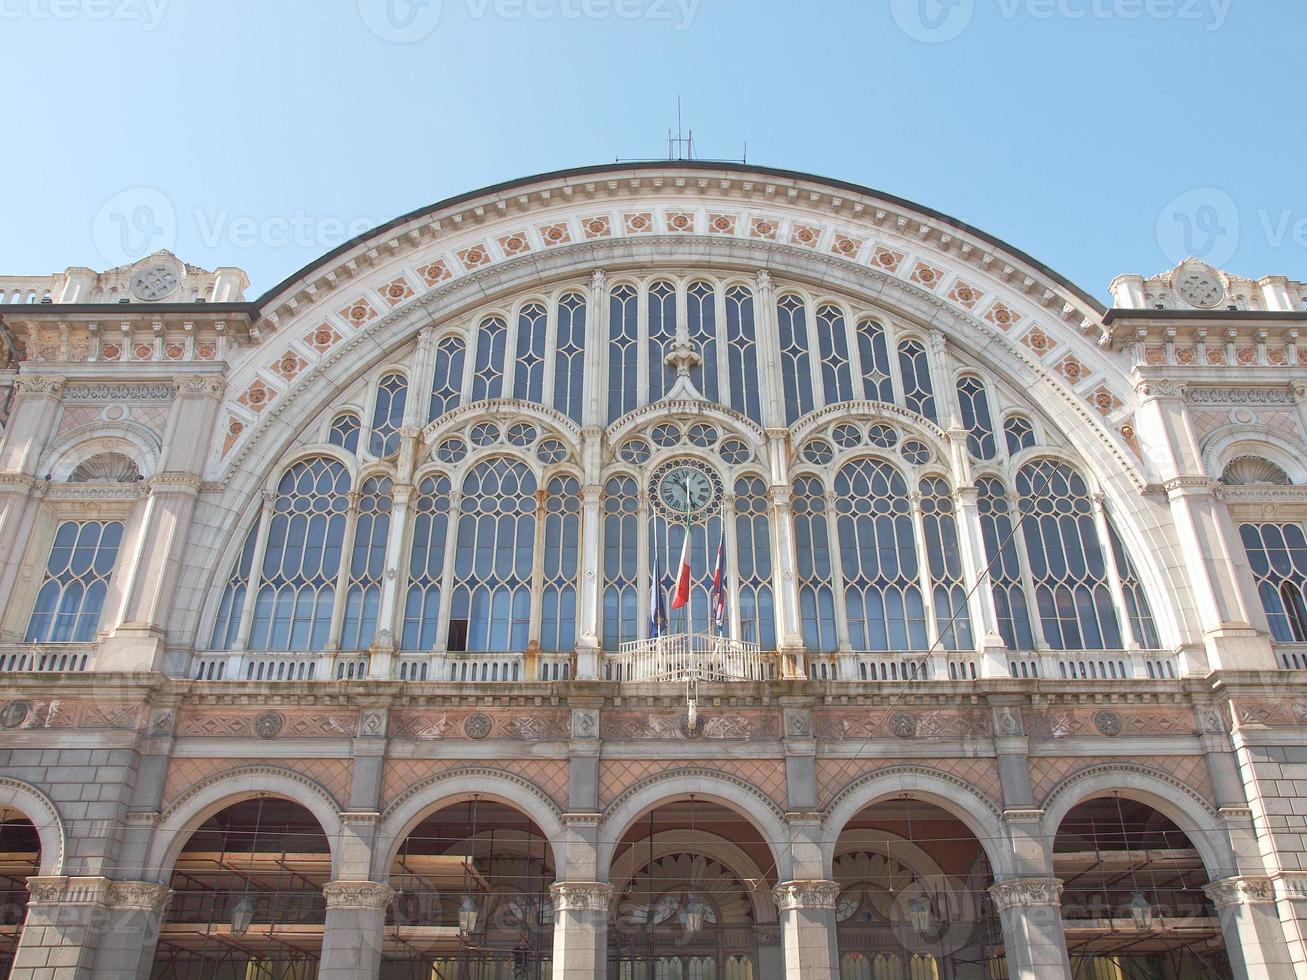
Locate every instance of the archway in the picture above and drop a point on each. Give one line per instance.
(247, 900)
(472, 899)
(1133, 905)
(913, 901)
(20, 858)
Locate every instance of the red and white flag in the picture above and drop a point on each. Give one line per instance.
(681, 594)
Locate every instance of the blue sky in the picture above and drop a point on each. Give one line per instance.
(1101, 136)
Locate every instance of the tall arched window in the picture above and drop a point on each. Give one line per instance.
(76, 579)
(562, 534)
(621, 570)
(488, 375)
(944, 559)
(914, 366)
(878, 558)
(388, 415)
(1142, 625)
(529, 365)
(702, 328)
(753, 562)
(623, 339)
(344, 432)
(367, 564)
(301, 561)
(426, 563)
(1018, 433)
(569, 356)
(796, 376)
(1004, 561)
(1277, 555)
(877, 380)
(833, 346)
(227, 625)
(447, 382)
(662, 334)
(490, 608)
(742, 352)
(1066, 559)
(665, 541)
(974, 404)
(812, 548)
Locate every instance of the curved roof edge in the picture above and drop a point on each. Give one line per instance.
(710, 166)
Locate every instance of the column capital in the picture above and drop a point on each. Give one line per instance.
(1150, 388)
(581, 896)
(1026, 892)
(40, 384)
(209, 385)
(141, 896)
(371, 895)
(1240, 890)
(814, 893)
(63, 890)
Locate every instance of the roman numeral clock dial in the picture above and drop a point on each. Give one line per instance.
(686, 489)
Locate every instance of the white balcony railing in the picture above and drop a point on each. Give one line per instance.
(279, 666)
(1094, 665)
(1291, 656)
(483, 667)
(689, 657)
(947, 665)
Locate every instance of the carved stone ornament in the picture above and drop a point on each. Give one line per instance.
(1107, 723)
(13, 714)
(39, 384)
(1239, 891)
(269, 724)
(162, 724)
(902, 724)
(478, 726)
(585, 724)
(142, 896)
(60, 890)
(581, 896)
(811, 894)
(202, 384)
(798, 724)
(1026, 892)
(371, 895)
(372, 724)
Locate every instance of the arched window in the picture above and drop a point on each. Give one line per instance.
(974, 404)
(562, 535)
(623, 337)
(812, 548)
(1277, 554)
(877, 381)
(878, 558)
(833, 346)
(569, 356)
(753, 561)
(491, 603)
(742, 352)
(1142, 625)
(1066, 559)
(367, 564)
(447, 382)
(1018, 433)
(662, 334)
(388, 415)
(621, 570)
(796, 376)
(344, 432)
(944, 559)
(529, 365)
(488, 374)
(702, 328)
(426, 563)
(665, 541)
(301, 561)
(227, 625)
(1004, 561)
(914, 366)
(76, 579)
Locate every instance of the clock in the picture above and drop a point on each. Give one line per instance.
(686, 489)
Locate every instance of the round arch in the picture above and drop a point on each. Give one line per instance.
(198, 804)
(951, 795)
(669, 408)
(40, 809)
(736, 795)
(1231, 442)
(132, 440)
(495, 410)
(457, 786)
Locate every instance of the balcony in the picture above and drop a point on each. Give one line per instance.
(686, 657)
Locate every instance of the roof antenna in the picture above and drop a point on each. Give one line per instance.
(679, 142)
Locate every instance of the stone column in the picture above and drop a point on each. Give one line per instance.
(1030, 910)
(580, 929)
(354, 929)
(588, 644)
(978, 581)
(1254, 937)
(65, 918)
(135, 912)
(807, 912)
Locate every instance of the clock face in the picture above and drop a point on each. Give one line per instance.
(686, 489)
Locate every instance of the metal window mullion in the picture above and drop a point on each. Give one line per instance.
(813, 351)
(441, 644)
(644, 524)
(836, 549)
(594, 359)
(923, 570)
(1028, 584)
(1125, 625)
(549, 354)
(343, 576)
(537, 568)
(730, 539)
(641, 344)
(256, 573)
(721, 337)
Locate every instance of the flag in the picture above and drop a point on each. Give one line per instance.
(719, 585)
(657, 603)
(681, 595)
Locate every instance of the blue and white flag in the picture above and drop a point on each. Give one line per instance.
(659, 625)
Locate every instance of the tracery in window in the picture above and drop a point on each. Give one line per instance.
(833, 349)
(1018, 433)
(665, 540)
(227, 626)
(812, 539)
(1142, 625)
(621, 570)
(662, 334)
(344, 432)
(1277, 554)
(426, 563)
(488, 372)
(914, 366)
(1066, 559)
(701, 325)
(367, 564)
(490, 605)
(878, 558)
(301, 560)
(974, 404)
(742, 353)
(388, 415)
(569, 355)
(1004, 561)
(623, 337)
(877, 381)
(71, 598)
(944, 560)
(529, 364)
(562, 534)
(753, 562)
(796, 376)
(447, 381)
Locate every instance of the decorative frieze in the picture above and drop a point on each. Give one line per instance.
(1026, 893)
(1239, 396)
(125, 392)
